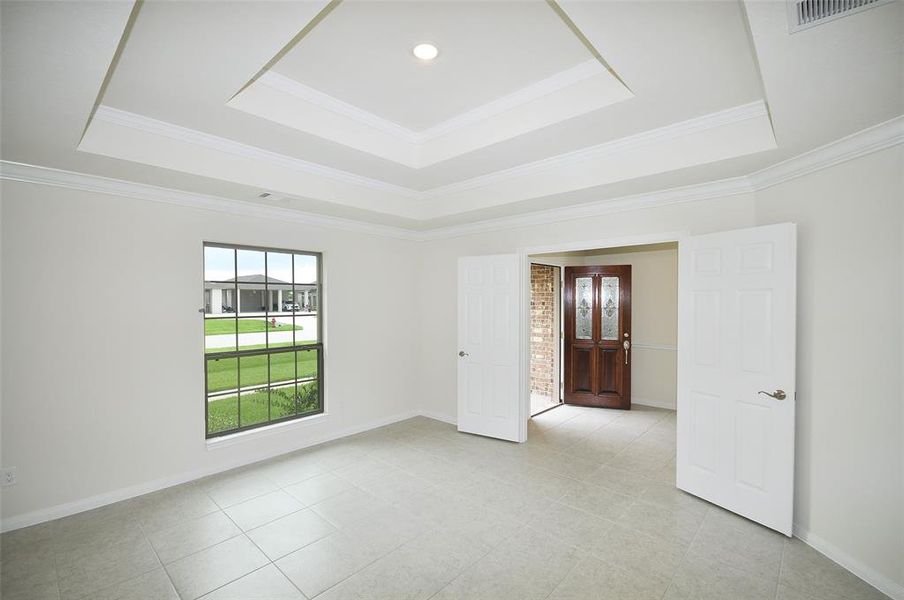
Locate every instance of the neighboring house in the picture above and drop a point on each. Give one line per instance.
(257, 293)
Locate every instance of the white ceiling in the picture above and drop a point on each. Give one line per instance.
(717, 89)
(361, 54)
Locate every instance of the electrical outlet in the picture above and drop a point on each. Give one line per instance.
(8, 476)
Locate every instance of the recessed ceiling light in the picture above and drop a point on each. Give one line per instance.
(425, 51)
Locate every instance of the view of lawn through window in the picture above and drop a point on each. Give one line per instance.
(263, 352)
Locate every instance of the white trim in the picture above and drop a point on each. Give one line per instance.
(655, 403)
(873, 139)
(145, 124)
(600, 244)
(439, 416)
(77, 506)
(525, 254)
(724, 188)
(529, 93)
(721, 118)
(877, 580)
(140, 191)
(882, 136)
(274, 80)
(266, 431)
(538, 89)
(115, 116)
(869, 140)
(644, 346)
(716, 189)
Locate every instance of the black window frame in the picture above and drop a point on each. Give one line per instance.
(237, 353)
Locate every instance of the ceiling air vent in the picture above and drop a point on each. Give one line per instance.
(803, 14)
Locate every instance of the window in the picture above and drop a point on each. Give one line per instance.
(263, 350)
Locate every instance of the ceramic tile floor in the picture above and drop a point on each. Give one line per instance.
(586, 509)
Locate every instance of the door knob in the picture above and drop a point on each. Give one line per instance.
(777, 394)
(462, 354)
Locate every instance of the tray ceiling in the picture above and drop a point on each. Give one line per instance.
(529, 105)
(361, 54)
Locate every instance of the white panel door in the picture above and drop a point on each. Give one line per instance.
(736, 346)
(488, 346)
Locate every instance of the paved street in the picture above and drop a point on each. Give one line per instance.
(308, 321)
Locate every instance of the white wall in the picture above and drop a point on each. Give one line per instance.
(94, 402)
(102, 341)
(850, 401)
(849, 493)
(437, 281)
(654, 318)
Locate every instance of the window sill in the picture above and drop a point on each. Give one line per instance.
(265, 431)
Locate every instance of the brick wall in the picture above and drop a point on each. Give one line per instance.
(542, 329)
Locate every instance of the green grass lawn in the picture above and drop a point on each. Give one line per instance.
(222, 374)
(227, 326)
(259, 407)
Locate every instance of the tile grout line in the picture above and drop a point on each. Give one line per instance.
(231, 580)
(368, 564)
(781, 568)
(519, 529)
(686, 552)
(56, 570)
(236, 579)
(156, 554)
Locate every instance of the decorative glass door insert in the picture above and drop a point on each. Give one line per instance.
(609, 301)
(583, 326)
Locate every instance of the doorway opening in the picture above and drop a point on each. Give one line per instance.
(545, 332)
(732, 443)
(616, 343)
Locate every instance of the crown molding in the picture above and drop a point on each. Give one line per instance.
(691, 126)
(13, 171)
(138, 122)
(287, 85)
(538, 89)
(728, 116)
(724, 188)
(872, 139)
(544, 87)
(879, 137)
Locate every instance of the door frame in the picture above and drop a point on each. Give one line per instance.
(524, 254)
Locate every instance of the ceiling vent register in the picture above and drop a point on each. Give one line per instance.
(803, 14)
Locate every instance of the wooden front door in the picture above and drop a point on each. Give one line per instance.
(598, 336)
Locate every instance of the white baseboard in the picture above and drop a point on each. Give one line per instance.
(880, 582)
(77, 506)
(654, 403)
(439, 417)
